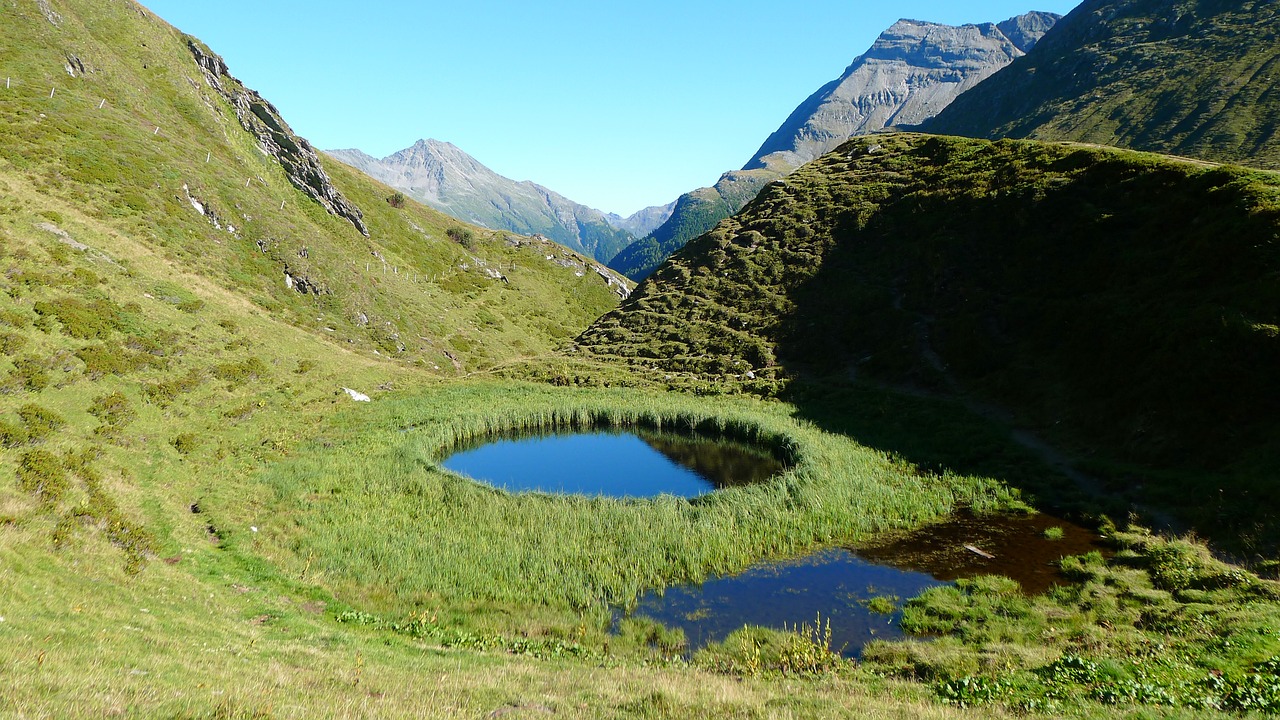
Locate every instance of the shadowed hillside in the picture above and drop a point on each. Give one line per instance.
(1119, 302)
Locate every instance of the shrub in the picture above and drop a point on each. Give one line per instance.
(12, 435)
(42, 474)
(239, 372)
(163, 393)
(113, 410)
(463, 236)
(82, 320)
(30, 373)
(11, 343)
(40, 422)
(396, 200)
(186, 443)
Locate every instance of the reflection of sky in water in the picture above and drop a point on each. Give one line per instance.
(610, 463)
(838, 583)
(834, 583)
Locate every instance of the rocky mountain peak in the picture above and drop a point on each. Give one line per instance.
(910, 73)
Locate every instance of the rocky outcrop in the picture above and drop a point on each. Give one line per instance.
(911, 72)
(257, 116)
(441, 175)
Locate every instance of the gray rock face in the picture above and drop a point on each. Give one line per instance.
(448, 179)
(259, 117)
(644, 221)
(912, 71)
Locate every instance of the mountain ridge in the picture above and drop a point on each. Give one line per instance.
(445, 177)
(911, 72)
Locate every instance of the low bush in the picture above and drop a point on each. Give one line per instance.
(40, 422)
(41, 473)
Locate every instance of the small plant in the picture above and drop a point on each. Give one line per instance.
(1053, 533)
(883, 604)
(396, 200)
(305, 366)
(970, 691)
(185, 443)
(30, 373)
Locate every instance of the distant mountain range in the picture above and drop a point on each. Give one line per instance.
(1189, 77)
(911, 72)
(444, 177)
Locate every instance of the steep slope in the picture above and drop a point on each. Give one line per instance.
(1125, 303)
(1192, 77)
(188, 286)
(910, 73)
(449, 180)
(145, 132)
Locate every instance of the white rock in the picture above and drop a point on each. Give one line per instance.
(357, 396)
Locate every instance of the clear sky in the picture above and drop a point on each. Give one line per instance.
(616, 105)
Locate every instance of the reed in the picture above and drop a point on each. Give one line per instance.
(392, 532)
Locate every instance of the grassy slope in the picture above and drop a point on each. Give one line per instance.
(694, 214)
(1193, 77)
(1124, 303)
(167, 406)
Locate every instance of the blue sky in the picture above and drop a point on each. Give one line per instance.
(614, 105)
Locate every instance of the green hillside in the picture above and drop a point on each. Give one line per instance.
(1192, 77)
(1123, 304)
(229, 370)
(694, 214)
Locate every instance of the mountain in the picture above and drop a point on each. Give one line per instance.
(1190, 77)
(1124, 302)
(910, 73)
(446, 178)
(642, 222)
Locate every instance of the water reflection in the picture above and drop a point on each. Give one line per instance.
(635, 464)
(839, 583)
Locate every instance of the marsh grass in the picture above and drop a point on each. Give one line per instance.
(392, 532)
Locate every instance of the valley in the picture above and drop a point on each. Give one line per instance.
(232, 369)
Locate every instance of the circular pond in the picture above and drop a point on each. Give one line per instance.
(612, 463)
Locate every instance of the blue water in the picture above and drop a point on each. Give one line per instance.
(615, 464)
(834, 584)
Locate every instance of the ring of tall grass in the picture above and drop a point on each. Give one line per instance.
(368, 512)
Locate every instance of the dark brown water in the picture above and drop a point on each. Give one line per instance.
(838, 584)
(1018, 543)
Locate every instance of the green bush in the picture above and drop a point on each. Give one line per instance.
(237, 373)
(42, 474)
(186, 443)
(40, 422)
(165, 392)
(11, 343)
(463, 236)
(82, 320)
(12, 435)
(114, 410)
(30, 373)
